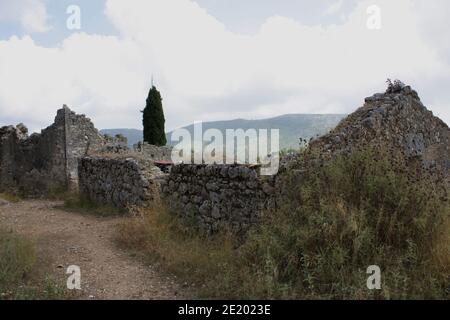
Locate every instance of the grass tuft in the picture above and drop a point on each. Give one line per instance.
(336, 219)
(160, 239)
(10, 197)
(17, 257)
(79, 204)
(20, 277)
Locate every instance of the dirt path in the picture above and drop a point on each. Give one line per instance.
(66, 238)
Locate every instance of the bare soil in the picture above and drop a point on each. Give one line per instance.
(67, 238)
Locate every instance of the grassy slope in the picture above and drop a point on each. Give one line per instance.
(358, 211)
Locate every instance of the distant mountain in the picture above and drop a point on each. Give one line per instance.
(292, 127)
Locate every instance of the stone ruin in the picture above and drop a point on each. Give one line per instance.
(48, 162)
(396, 120)
(71, 153)
(219, 197)
(115, 145)
(154, 153)
(234, 197)
(44, 162)
(120, 180)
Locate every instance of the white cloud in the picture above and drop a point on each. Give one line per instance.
(334, 7)
(31, 14)
(206, 72)
(103, 76)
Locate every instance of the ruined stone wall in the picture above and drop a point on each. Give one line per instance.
(9, 140)
(214, 197)
(396, 120)
(154, 153)
(42, 160)
(46, 162)
(219, 197)
(117, 144)
(35, 164)
(122, 182)
(82, 138)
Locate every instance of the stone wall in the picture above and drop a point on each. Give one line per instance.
(214, 197)
(396, 120)
(219, 197)
(46, 162)
(10, 138)
(122, 182)
(117, 144)
(82, 138)
(152, 152)
(34, 164)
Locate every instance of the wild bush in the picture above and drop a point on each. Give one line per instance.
(336, 219)
(367, 208)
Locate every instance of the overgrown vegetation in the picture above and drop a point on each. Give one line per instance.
(359, 210)
(160, 239)
(77, 203)
(20, 277)
(395, 86)
(338, 218)
(10, 197)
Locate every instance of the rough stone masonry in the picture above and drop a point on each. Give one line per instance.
(121, 181)
(214, 197)
(235, 197)
(46, 162)
(219, 197)
(396, 120)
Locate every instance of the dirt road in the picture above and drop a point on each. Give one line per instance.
(67, 238)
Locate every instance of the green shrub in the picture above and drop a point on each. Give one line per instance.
(337, 219)
(359, 210)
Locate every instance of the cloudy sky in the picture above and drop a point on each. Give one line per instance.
(216, 59)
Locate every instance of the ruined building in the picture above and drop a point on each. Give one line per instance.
(47, 162)
(71, 152)
(396, 120)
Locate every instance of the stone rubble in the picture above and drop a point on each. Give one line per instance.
(396, 120)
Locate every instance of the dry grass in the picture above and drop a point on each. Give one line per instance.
(157, 237)
(75, 203)
(20, 276)
(10, 197)
(358, 210)
(440, 250)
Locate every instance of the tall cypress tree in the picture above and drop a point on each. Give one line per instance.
(153, 119)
